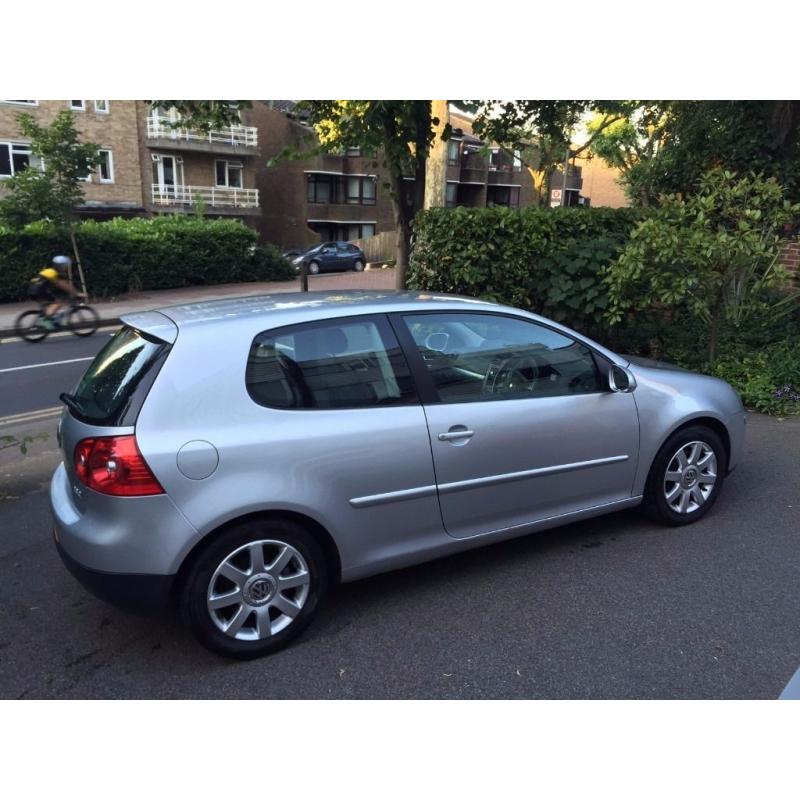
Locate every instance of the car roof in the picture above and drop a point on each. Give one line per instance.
(254, 314)
(304, 306)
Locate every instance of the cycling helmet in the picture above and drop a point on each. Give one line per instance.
(62, 263)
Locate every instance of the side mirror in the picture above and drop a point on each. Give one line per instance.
(621, 379)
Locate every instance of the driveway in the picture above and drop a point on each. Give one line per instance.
(615, 607)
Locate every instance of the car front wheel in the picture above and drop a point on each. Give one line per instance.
(254, 588)
(313, 268)
(686, 477)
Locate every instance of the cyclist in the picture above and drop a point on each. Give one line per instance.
(53, 286)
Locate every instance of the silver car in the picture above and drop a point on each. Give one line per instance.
(242, 456)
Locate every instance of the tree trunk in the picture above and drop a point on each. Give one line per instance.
(77, 259)
(402, 225)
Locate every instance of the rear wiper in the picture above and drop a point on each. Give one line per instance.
(71, 402)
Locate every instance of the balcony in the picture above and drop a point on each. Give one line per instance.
(469, 175)
(504, 175)
(219, 199)
(239, 139)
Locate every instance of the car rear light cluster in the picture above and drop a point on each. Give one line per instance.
(113, 465)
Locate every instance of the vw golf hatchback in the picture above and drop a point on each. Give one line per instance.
(241, 456)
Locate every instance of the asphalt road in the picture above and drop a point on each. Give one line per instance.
(33, 375)
(615, 607)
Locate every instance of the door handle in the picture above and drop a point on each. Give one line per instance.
(457, 434)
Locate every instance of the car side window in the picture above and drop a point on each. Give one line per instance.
(474, 357)
(352, 362)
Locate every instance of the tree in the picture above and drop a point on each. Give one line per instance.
(630, 143)
(53, 191)
(550, 125)
(665, 146)
(713, 253)
(399, 133)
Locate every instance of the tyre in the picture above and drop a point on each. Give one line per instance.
(686, 477)
(83, 320)
(28, 327)
(254, 588)
(358, 265)
(313, 268)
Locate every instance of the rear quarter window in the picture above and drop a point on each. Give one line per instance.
(111, 391)
(351, 362)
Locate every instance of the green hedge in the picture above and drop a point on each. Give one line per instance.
(546, 260)
(143, 254)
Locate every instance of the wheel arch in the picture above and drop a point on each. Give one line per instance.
(323, 536)
(713, 423)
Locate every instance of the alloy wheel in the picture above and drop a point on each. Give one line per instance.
(258, 590)
(690, 477)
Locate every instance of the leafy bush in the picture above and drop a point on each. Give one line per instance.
(768, 379)
(714, 253)
(547, 260)
(142, 254)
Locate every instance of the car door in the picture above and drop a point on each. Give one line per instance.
(522, 424)
(345, 255)
(328, 257)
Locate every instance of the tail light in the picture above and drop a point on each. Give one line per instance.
(113, 465)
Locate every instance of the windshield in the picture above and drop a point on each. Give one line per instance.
(104, 392)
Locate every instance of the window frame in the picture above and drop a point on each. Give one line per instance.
(389, 339)
(426, 388)
(81, 107)
(99, 110)
(26, 103)
(237, 165)
(11, 149)
(110, 166)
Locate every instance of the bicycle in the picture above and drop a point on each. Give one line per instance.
(77, 317)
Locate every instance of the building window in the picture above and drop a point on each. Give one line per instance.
(361, 191)
(101, 106)
(21, 102)
(451, 193)
(503, 196)
(517, 161)
(77, 105)
(367, 231)
(229, 173)
(352, 152)
(319, 189)
(106, 167)
(336, 189)
(500, 160)
(452, 153)
(14, 157)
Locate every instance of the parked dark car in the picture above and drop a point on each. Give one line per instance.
(331, 257)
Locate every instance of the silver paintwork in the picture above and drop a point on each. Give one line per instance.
(280, 585)
(382, 482)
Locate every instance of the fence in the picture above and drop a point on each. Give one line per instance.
(378, 248)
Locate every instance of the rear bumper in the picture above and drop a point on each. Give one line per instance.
(133, 592)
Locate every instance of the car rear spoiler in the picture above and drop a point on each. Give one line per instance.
(154, 324)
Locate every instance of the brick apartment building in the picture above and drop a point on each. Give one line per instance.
(115, 187)
(150, 165)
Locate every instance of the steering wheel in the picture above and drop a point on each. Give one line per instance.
(514, 374)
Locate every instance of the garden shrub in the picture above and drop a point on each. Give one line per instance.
(142, 254)
(547, 260)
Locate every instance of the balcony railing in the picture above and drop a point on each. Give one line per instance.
(234, 135)
(212, 196)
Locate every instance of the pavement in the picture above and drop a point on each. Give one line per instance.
(615, 607)
(110, 311)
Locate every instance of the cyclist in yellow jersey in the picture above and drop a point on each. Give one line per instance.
(52, 286)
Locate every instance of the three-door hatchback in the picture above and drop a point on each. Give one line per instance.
(241, 456)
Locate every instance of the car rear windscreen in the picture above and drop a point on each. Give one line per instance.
(109, 387)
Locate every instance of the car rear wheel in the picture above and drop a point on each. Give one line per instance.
(313, 268)
(358, 265)
(254, 588)
(686, 477)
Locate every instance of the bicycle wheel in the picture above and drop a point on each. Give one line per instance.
(28, 327)
(83, 320)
